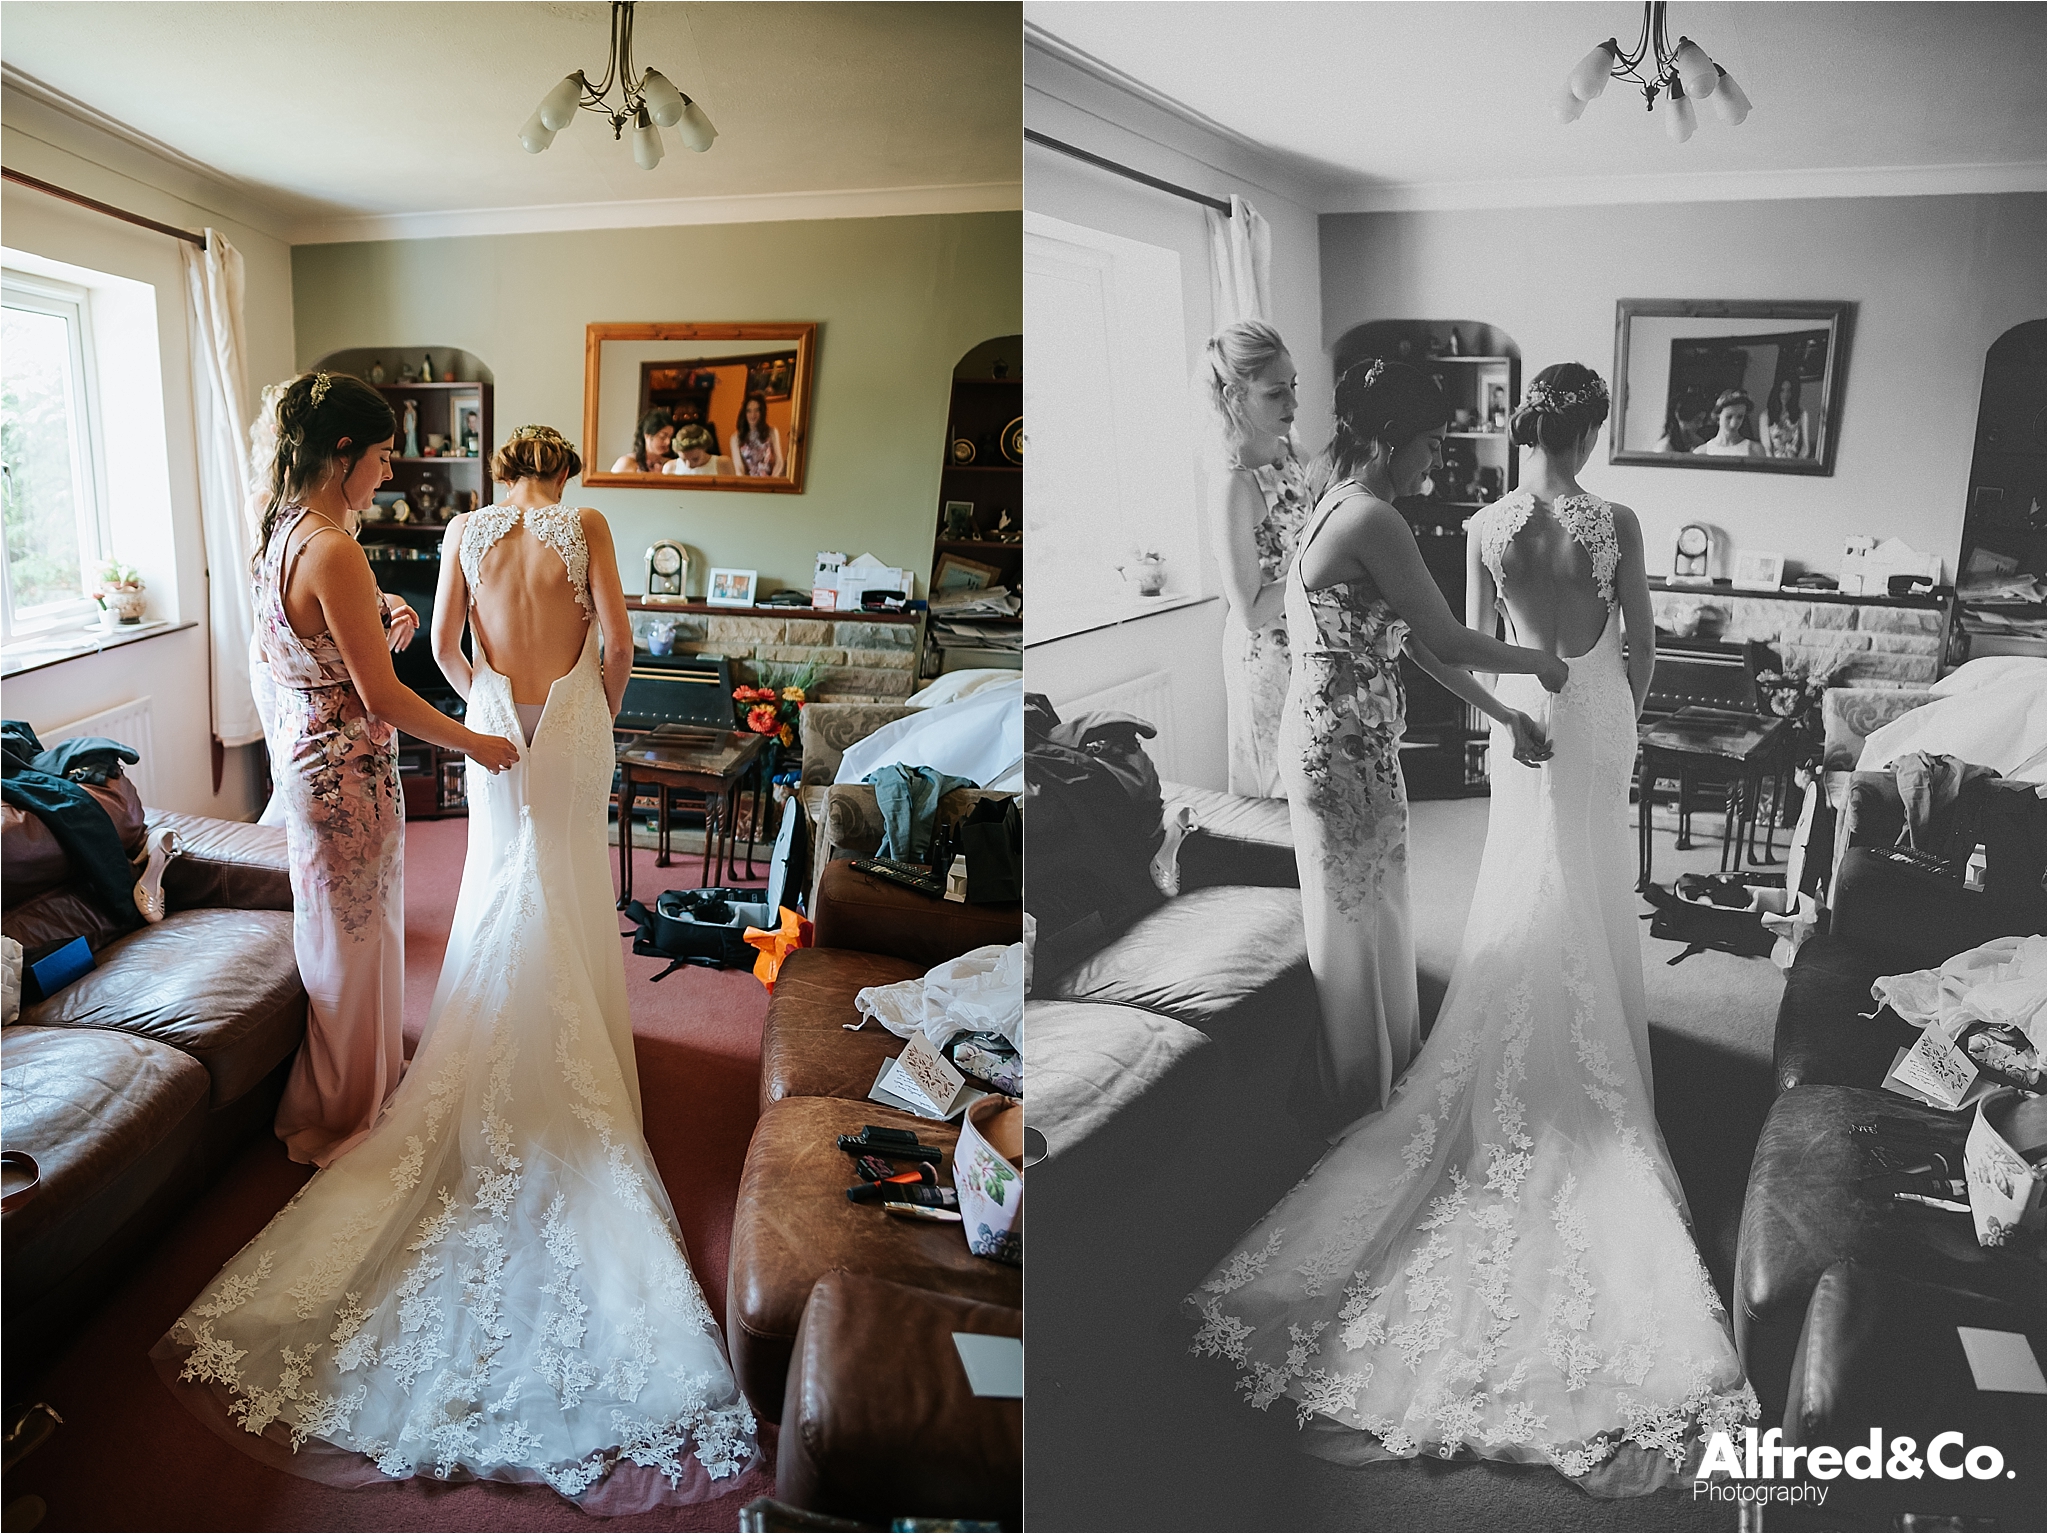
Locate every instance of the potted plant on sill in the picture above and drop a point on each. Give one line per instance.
(121, 594)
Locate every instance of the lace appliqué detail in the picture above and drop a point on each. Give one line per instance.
(559, 527)
(1587, 518)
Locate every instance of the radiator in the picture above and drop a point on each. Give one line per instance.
(129, 723)
(1148, 697)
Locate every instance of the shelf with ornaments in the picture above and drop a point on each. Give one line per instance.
(445, 432)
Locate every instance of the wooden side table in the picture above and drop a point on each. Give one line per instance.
(714, 764)
(1738, 747)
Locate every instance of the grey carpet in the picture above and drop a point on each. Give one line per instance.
(1127, 1431)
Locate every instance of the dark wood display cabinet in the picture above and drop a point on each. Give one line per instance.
(979, 535)
(1444, 751)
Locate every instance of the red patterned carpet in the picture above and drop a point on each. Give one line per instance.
(129, 1457)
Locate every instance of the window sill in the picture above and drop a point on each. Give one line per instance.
(1065, 625)
(64, 644)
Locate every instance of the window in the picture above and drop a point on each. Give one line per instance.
(55, 514)
(1106, 393)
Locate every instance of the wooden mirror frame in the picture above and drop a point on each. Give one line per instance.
(1838, 316)
(796, 451)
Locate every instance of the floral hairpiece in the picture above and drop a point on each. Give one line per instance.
(1547, 400)
(538, 434)
(321, 382)
(1372, 373)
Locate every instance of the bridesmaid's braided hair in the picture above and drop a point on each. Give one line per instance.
(316, 414)
(1566, 400)
(1381, 406)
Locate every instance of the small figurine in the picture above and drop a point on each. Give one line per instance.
(1006, 530)
(1456, 348)
(405, 373)
(377, 371)
(411, 420)
(427, 368)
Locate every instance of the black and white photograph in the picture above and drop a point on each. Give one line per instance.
(1497, 903)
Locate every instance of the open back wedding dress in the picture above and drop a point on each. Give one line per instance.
(492, 1283)
(1500, 1263)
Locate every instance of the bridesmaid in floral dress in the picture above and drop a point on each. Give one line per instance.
(1258, 499)
(335, 758)
(1359, 596)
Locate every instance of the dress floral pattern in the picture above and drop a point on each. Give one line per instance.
(1500, 1263)
(1255, 661)
(1339, 756)
(492, 1284)
(336, 769)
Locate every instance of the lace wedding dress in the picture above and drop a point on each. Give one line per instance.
(492, 1283)
(1500, 1262)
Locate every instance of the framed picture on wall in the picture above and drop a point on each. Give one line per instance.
(730, 588)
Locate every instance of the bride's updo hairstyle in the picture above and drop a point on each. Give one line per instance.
(1567, 400)
(1381, 406)
(316, 413)
(535, 452)
(1235, 356)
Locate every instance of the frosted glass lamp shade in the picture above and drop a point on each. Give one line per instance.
(536, 135)
(558, 107)
(1696, 72)
(1566, 105)
(694, 128)
(1589, 76)
(664, 101)
(646, 144)
(1679, 120)
(1730, 105)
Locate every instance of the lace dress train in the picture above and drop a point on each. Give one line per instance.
(492, 1284)
(1500, 1263)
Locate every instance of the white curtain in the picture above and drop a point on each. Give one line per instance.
(1240, 264)
(213, 292)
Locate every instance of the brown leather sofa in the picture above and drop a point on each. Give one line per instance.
(133, 1084)
(813, 1343)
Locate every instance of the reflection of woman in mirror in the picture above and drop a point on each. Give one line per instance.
(1676, 438)
(696, 453)
(651, 449)
(1788, 431)
(1258, 498)
(1733, 410)
(757, 446)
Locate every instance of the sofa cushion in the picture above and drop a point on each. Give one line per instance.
(1099, 1073)
(793, 1224)
(859, 911)
(806, 1049)
(1816, 1197)
(1207, 959)
(1880, 1351)
(1822, 1038)
(1241, 840)
(223, 986)
(49, 920)
(108, 1116)
(880, 1422)
(30, 859)
(1917, 919)
(228, 863)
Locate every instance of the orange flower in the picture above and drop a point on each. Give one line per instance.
(793, 695)
(788, 736)
(763, 720)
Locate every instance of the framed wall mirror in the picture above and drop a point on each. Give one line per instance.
(703, 407)
(1700, 384)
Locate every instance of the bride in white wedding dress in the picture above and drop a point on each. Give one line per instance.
(492, 1284)
(1500, 1263)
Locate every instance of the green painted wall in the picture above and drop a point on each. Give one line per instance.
(897, 301)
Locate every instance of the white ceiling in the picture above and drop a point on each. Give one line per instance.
(363, 120)
(1387, 105)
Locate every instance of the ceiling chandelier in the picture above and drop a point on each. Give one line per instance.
(1681, 75)
(650, 104)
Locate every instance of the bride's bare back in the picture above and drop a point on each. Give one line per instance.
(1552, 594)
(525, 615)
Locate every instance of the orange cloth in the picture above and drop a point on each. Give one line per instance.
(777, 945)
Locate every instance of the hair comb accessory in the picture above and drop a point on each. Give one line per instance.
(321, 383)
(1546, 400)
(538, 434)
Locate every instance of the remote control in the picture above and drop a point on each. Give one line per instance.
(910, 875)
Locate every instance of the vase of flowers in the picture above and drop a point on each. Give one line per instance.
(121, 594)
(1793, 692)
(774, 705)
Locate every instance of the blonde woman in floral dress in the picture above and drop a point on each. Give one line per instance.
(1499, 1265)
(1258, 499)
(1360, 595)
(339, 707)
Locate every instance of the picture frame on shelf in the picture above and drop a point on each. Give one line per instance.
(730, 588)
(952, 573)
(1756, 570)
(959, 520)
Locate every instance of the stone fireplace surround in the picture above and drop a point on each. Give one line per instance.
(866, 657)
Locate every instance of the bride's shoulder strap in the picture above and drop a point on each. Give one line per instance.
(561, 529)
(1590, 520)
(1494, 528)
(486, 527)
